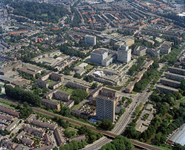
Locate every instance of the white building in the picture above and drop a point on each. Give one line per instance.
(90, 40)
(124, 54)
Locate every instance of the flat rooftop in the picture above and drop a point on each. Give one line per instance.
(179, 136)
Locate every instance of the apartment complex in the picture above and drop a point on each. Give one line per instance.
(90, 40)
(176, 70)
(70, 103)
(42, 84)
(77, 86)
(62, 96)
(174, 76)
(56, 85)
(171, 83)
(51, 104)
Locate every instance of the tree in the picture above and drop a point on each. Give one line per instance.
(75, 144)
(55, 148)
(45, 90)
(107, 124)
(0, 89)
(182, 86)
(93, 138)
(94, 85)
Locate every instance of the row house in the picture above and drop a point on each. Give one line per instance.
(51, 104)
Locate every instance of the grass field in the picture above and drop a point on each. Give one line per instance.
(66, 90)
(44, 15)
(50, 82)
(117, 88)
(78, 63)
(88, 67)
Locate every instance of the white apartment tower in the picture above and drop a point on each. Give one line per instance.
(124, 54)
(90, 40)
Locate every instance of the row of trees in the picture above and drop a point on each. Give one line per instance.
(137, 67)
(74, 145)
(24, 96)
(147, 78)
(119, 143)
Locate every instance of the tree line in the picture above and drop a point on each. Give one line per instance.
(24, 96)
(135, 67)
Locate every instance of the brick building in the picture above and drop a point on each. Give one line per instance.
(77, 86)
(34, 131)
(56, 84)
(70, 103)
(80, 114)
(59, 137)
(49, 95)
(8, 144)
(61, 96)
(171, 83)
(42, 84)
(44, 125)
(52, 104)
(56, 77)
(8, 111)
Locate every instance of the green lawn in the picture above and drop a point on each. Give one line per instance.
(117, 88)
(133, 92)
(78, 63)
(1, 85)
(88, 67)
(44, 15)
(76, 106)
(179, 101)
(66, 90)
(50, 82)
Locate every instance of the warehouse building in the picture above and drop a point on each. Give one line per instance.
(179, 136)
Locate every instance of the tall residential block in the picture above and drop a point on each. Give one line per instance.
(98, 55)
(105, 107)
(90, 40)
(124, 54)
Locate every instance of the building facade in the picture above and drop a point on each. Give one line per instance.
(90, 40)
(124, 54)
(105, 108)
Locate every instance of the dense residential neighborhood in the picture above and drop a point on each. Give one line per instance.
(92, 74)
